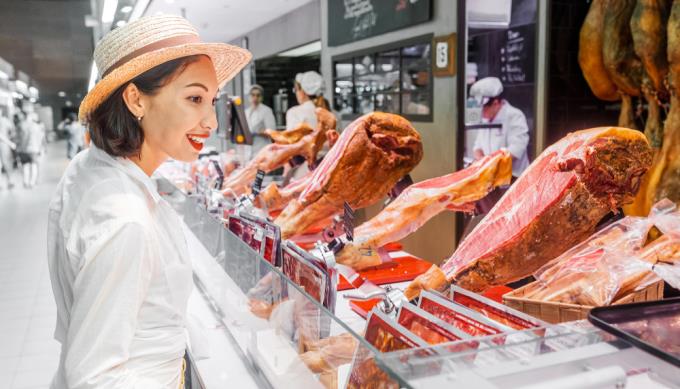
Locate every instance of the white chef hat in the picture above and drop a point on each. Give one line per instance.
(486, 88)
(311, 82)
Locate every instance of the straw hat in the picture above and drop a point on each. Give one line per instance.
(129, 51)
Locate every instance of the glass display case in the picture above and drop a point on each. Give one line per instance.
(288, 333)
(286, 336)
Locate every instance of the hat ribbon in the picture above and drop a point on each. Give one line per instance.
(158, 45)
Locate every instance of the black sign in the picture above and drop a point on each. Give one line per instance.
(517, 55)
(353, 20)
(220, 175)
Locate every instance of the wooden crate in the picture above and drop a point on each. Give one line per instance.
(553, 312)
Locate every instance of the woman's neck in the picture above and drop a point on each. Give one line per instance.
(148, 159)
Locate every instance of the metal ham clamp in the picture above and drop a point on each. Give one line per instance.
(246, 203)
(392, 299)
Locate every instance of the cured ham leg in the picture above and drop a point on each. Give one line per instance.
(590, 54)
(665, 178)
(648, 26)
(371, 155)
(422, 201)
(273, 198)
(275, 155)
(623, 66)
(556, 203)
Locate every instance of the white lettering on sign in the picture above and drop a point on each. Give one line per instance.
(356, 8)
(442, 57)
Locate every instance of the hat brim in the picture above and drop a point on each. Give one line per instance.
(228, 60)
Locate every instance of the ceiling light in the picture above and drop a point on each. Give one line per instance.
(33, 100)
(61, 93)
(93, 76)
(109, 11)
(138, 11)
(68, 103)
(127, 9)
(121, 23)
(300, 51)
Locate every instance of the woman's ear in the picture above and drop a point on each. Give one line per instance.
(133, 100)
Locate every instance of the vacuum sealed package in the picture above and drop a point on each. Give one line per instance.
(318, 279)
(385, 335)
(614, 262)
(249, 232)
(271, 250)
(497, 312)
(465, 319)
(428, 327)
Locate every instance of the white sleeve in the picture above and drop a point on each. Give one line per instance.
(269, 121)
(107, 295)
(291, 119)
(518, 135)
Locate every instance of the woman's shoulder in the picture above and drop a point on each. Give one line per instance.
(100, 191)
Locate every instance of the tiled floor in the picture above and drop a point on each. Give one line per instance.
(28, 353)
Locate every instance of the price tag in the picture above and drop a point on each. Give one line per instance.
(220, 175)
(348, 219)
(257, 184)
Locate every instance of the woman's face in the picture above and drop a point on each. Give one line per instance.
(181, 115)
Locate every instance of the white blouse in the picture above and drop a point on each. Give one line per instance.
(121, 277)
(302, 113)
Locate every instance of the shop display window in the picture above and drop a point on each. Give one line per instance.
(394, 78)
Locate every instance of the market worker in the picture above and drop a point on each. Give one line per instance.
(308, 88)
(514, 133)
(260, 117)
(118, 258)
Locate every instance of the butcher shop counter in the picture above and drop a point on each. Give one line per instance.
(253, 327)
(250, 325)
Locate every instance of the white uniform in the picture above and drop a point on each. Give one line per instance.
(121, 277)
(514, 136)
(259, 119)
(303, 113)
(6, 134)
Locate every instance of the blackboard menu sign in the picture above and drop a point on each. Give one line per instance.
(517, 55)
(353, 20)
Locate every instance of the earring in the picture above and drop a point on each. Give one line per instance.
(139, 118)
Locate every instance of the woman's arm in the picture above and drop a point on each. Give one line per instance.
(108, 293)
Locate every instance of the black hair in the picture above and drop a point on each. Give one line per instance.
(113, 128)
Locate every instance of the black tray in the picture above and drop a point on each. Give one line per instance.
(646, 325)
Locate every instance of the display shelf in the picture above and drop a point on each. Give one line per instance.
(268, 321)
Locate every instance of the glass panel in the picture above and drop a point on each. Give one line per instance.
(415, 103)
(365, 103)
(387, 102)
(343, 96)
(288, 338)
(416, 67)
(387, 61)
(343, 69)
(364, 65)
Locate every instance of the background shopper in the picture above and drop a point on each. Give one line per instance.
(6, 149)
(260, 117)
(31, 146)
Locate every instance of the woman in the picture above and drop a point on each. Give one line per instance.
(308, 88)
(31, 144)
(260, 117)
(117, 255)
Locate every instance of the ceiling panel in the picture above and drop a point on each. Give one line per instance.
(224, 20)
(47, 39)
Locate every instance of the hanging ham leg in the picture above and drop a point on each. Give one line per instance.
(665, 177)
(275, 155)
(422, 201)
(648, 26)
(370, 156)
(556, 203)
(619, 58)
(590, 54)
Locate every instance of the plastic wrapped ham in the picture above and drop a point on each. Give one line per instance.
(614, 262)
